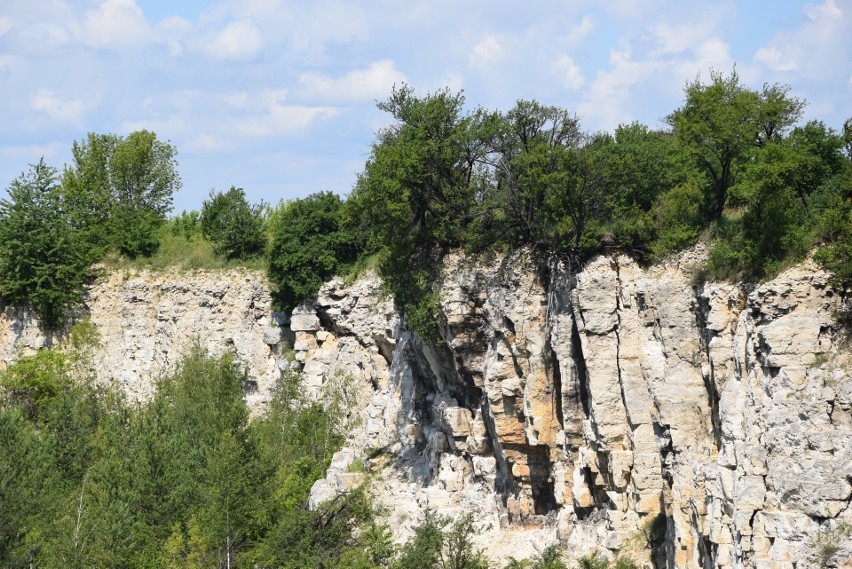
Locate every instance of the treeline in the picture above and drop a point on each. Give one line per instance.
(733, 166)
(187, 481)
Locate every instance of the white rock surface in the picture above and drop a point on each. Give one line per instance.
(148, 320)
(604, 407)
(587, 406)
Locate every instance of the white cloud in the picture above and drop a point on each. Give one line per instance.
(171, 32)
(66, 111)
(281, 119)
(203, 143)
(274, 117)
(115, 24)
(487, 52)
(238, 41)
(454, 81)
(358, 85)
(237, 99)
(772, 58)
(39, 38)
(581, 30)
(569, 73)
(5, 25)
(816, 48)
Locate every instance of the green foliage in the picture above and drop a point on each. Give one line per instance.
(120, 189)
(419, 191)
(187, 224)
(440, 543)
(550, 558)
(310, 244)
(828, 543)
(183, 481)
(625, 563)
(721, 122)
(44, 258)
(784, 190)
(32, 383)
(181, 251)
(593, 561)
(235, 227)
(679, 219)
(834, 228)
(539, 173)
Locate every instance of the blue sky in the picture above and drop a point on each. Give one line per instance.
(278, 96)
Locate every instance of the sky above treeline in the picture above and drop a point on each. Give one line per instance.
(278, 96)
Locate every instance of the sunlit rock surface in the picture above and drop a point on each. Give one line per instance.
(603, 407)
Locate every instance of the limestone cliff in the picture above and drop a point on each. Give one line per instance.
(604, 407)
(147, 320)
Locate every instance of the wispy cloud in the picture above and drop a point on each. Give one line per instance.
(367, 84)
(65, 111)
(237, 41)
(114, 24)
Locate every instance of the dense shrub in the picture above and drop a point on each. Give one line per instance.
(310, 244)
(235, 227)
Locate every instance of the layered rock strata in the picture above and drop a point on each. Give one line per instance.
(603, 407)
(147, 321)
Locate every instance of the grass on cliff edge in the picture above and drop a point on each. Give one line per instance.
(178, 251)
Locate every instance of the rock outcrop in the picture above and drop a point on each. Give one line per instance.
(148, 320)
(605, 407)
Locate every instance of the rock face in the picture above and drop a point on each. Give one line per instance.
(147, 321)
(605, 407)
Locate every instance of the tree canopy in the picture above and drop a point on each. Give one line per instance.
(235, 227)
(121, 188)
(44, 256)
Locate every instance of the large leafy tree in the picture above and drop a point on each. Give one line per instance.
(419, 184)
(44, 258)
(420, 191)
(721, 122)
(121, 188)
(537, 154)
